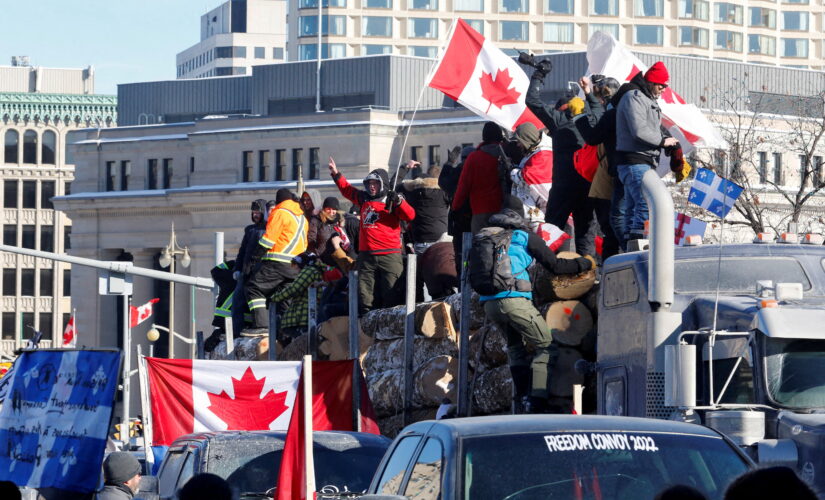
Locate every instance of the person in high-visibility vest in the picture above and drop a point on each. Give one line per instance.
(285, 237)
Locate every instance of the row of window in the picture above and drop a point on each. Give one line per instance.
(11, 320)
(229, 52)
(772, 170)
(28, 237)
(260, 168)
(158, 174)
(32, 143)
(688, 9)
(28, 195)
(44, 286)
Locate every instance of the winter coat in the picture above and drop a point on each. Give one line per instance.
(431, 205)
(251, 235)
(437, 268)
(286, 232)
(380, 230)
(597, 126)
(525, 246)
(639, 133)
(479, 181)
(115, 492)
(321, 229)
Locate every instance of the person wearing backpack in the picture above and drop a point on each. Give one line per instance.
(498, 263)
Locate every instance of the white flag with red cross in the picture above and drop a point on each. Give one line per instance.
(140, 314)
(482, 78)
(69, 334)
(688, 226)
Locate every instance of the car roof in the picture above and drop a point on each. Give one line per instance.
(510, 424)
(728, 250)
(319, 437)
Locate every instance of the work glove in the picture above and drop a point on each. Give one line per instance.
(678, 165)
(453, 155)
(394, 199)
(682, 173)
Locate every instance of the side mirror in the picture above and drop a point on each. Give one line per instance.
(680, 375)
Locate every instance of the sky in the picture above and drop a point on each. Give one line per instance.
(125, 40)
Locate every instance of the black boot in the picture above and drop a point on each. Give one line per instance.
(521, 387)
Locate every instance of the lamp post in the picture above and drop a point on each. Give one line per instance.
(168, 256)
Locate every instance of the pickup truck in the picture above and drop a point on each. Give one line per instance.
(554, 457)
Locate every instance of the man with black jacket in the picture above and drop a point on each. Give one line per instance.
(244, 262)
(569, 191)
(458, 220)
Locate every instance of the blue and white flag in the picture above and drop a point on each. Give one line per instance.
(713, 193)
(55, 420)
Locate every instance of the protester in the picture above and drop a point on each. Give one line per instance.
(534, 176)
(205, 486)
(437, 269)
(322, 225)
(480, 179)
(458, 221)
(640, 138)
(431, 205)
(569, 191)
(380, 263)
(121, 476)
(769, 483)
(223, 277)
(680, 492)
(530, 351)
(244, 262)
(285, 237)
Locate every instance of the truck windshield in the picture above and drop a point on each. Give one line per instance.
(795, 372)
(737, 274)
(607, 465)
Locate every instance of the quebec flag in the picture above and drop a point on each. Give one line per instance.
(55, 419)
(713, 193)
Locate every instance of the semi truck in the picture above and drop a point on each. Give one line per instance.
(730, 336)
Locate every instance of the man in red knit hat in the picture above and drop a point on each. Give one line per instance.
(640, 139)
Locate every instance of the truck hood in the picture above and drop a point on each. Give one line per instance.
(735, 313)
(791, 319)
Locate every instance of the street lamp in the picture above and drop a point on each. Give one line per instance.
(167, 259)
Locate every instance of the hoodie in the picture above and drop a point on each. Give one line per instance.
(479, 181)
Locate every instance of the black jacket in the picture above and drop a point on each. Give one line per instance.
(251, 235)
(321, 229)
(431, 205)
(598, 126)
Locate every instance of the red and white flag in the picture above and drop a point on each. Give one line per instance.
(686, 225)
(69, 336)
(207, 395)
(482, 78)
(552, 235)
(533, 179)
(609, 57)
(139, 314)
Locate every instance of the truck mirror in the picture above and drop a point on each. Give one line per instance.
(680, 376)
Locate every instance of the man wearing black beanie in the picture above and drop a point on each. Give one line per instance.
(121, 476)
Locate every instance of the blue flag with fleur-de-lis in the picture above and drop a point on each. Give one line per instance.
(714, 193)
(55, 418)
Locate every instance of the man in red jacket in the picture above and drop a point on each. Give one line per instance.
(480, 180)
(380, 263)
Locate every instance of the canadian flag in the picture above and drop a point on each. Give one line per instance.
(552, 235)
(482, 78)
(208, 395)
(69, 337)
(533, 179)
(139, 314)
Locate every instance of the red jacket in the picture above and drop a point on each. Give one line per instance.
(480, 182)
(380, 231)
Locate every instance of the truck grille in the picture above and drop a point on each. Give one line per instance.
(655, 400)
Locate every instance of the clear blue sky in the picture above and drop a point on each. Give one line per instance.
(125, 40)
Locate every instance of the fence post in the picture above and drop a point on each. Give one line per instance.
(273, 332)
(409, 339)
(354, 348)
(199, 345)
(312, 322)
(463, 402)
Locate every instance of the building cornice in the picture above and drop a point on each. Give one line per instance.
(67, 108)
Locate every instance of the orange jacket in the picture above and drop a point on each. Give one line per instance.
(286, 232)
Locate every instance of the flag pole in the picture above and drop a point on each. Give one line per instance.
(73, 319)
(145, 408)
(309, 462)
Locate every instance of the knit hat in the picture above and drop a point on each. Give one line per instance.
(658, 74)
(120, 467)
(491, 132)
(331, 202)
(282, 195)
(575, 106)
(304, 259)
(527, 135)
(514, 203)
(466, 150)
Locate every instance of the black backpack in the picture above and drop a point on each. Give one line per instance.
(489, 262)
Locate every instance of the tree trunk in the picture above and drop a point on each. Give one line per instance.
(386, 392)
(493, 391)
(435, 380)
(389, 354)
(563, 375)
(476, 310)
(333, 339)
(569, 321)
(489, 345)
(432, 319)
(564, 286)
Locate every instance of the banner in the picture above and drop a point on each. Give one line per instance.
(55, 421)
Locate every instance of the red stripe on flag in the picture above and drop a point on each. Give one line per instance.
(633, 72)
(528, 116)
(170, 395)
(459, 62)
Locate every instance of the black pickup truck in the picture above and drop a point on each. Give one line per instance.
(554, 457)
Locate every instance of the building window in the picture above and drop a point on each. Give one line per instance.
(67, 237)
(27, 282)
(12, 144)
(612, 29)
(648, 8)
(468, 5)
(28, 237)
(260, 52)
(47, 238)
(10, 282)
(223, 71)
(280, 164)
(10, 234)
(558, 32)
(762, 44)
(314, 163)
(728, 40)
(30, 147)
(46, 282)
(476, 24)
(795, 21)
(46, 194)
(559, 6)
(514, 30)
(125, 172)
(419, 51)
(371, 50)
(28, 323)
(604, 7)
(762, 17)
(67, 282)
(152, 174)
(800, 2)
(263, 165)
(378, 4)
(694, 9)
(8, 325)
(191, 164)
(45, 325)
(330, 25)
(377, 26)
(10, 194)
(328, 51)
(49, 146)
(693, 37)
(277, 53)
(434, 155)
(309, 4)
(763, 167)
(777, 168)
(111, 176)
(647, 35)
(246, 166)
(513, 6)
(416, 153)
(794, 47)
(297, 162)
(423, 28)
(167, 173)
(424, 4)
(728, 13)
(29, 194)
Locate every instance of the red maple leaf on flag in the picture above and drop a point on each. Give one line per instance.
(248, 411)
(498, 91)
